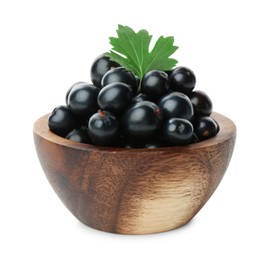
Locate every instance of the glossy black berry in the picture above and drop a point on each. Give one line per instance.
(122, 75)
(182, 79)
(177, 131)
(82, 100)
(61, 121)
(79, 135)
(205, 127)
(177, 105)
(103, 128)
(115, 97)
(155, 84)
(100, 66)
(201, 102)
(69, 90)
(142, 121)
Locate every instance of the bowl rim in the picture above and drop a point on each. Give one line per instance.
(227, 131)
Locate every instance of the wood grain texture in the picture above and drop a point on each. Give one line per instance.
(134, 191)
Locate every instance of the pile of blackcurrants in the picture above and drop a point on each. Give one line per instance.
(120, 110)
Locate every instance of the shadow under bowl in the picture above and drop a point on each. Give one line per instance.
(134, 191)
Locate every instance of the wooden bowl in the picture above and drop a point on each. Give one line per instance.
(134, 191)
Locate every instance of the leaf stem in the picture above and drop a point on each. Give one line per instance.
(139, 87)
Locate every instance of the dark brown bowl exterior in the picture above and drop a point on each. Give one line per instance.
(134, 191)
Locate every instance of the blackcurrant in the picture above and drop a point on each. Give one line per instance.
(115, 97)
(177, 131)
(155, 84)
(176, 104)
(82, 100)
(205, 127)
(79, 135)
(142, 121)
(182, 79)
(61, 121)
(201, 102)
(103, 128)
(69, 90)
(100, 66)
(122, 75)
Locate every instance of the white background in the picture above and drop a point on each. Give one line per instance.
(46, 46)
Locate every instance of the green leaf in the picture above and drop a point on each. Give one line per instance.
(131, 50)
